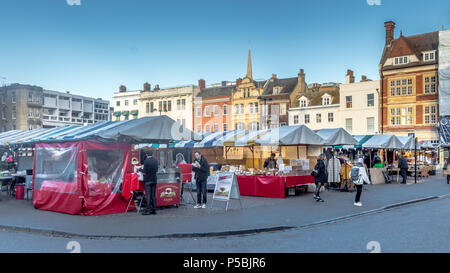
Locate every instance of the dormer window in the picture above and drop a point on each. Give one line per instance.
(276, 90)
(303, 102)
(401, 60)
(429, 56)
(326, 99)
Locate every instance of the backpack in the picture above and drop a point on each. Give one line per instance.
(354, 174)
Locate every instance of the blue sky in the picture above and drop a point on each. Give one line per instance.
(92, 48)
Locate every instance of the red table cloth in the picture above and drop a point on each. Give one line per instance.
(270, 186)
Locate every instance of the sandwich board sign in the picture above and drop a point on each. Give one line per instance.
(226, 188)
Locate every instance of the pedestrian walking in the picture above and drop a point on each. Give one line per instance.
(201, 169)
(150, 181)
(403, 166)
(4, 157)
(359, 177)
(320, 176)
(447, 169)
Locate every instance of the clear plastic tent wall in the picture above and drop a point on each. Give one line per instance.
(80, 177)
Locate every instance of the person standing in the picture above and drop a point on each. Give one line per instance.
(179, 160)
(320, 176)
(403, 166)
(270, 162)
(150, 181)
(359, 177)
(4, 157)
(201, 169)
(447, 169)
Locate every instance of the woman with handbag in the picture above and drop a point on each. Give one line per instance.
(320, 176)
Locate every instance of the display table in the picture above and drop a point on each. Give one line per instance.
(167, 193)
(270, 186)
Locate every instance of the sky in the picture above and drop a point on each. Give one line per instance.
(92, 48)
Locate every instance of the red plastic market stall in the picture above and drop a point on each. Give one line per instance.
(81, 177)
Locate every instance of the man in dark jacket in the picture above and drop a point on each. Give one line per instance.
(403, 166)
(320, 176)
(270, 162)
(150, 180)
(201, 169)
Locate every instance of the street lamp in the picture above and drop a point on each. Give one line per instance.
(265, 100)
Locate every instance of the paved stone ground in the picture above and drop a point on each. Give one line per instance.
(257, 212)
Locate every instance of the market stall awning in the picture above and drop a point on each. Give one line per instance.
(361, 140)
(155, 130)
(409, 143)
(338, 136)
(239, 138)
(383, 142)
(125, 113)
(290, 135)
(427, 144)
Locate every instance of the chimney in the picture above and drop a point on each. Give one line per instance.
(156, 87)
(349, 78)
(363, 78)
(122, 89)
(238, 81)
(147, 86)
(201, 84)
(274, 76)
(389, 26)
(224, 83)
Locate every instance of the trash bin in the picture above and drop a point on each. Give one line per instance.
(19, 191)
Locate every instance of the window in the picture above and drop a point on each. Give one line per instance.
(207, 113)
(225, 127)
(430, 84)
(4, 99)
(306, 118)
(117, 103)
(126, 102)
(178, 104)
(349, 125)
(198, 112)
(147, 107)
(30, 112)
(303, 103)
(326, 101)
(199, 128)
(283, 109)
(330, 117)
(430, 114)
(318, 118)
(207, 128)
(160, 108)
(236, 109)
(402, 116)
(216, 127)
(13, 97)
(242, 109)
(348, 101)
(38, 113)
(169, 105)
(371, 125)
(183, 104)
(370, 100)
(276, 90)
(295, 119)
(216, 110)
(251, 108)
(429, 56)
(3, 114)
(135, 102)
(225, 109)
(402, 87)
(13, 113)
(256, 107)
(152, 109)
(253, 126)
(165, 106)
(401, 60)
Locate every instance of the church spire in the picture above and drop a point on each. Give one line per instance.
(249, 66)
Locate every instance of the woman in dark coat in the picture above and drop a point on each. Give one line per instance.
(321, 176)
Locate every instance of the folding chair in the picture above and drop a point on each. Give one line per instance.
(387, 178)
